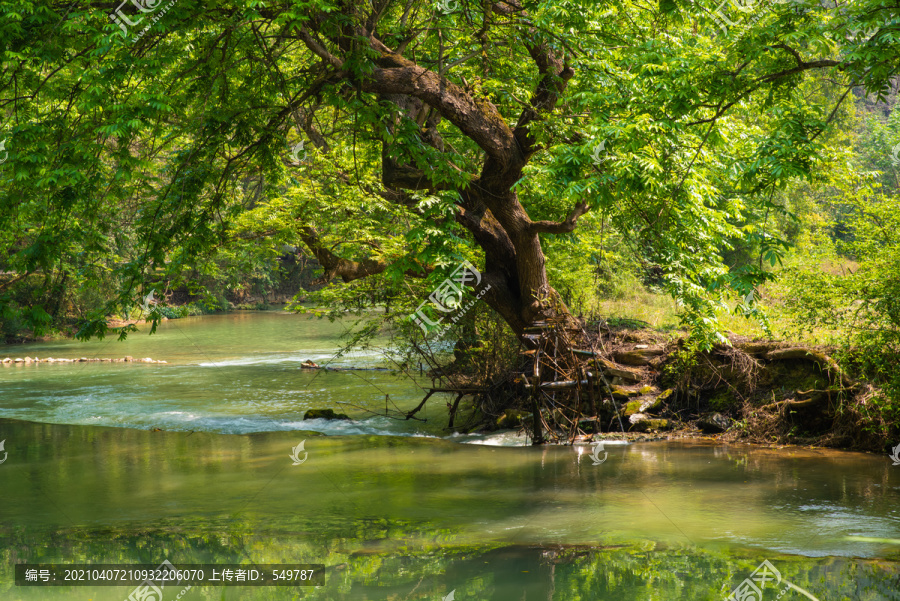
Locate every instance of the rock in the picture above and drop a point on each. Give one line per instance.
(28, 359)
(713, 423)
(632, 408)
(309, 365)
(641, 422)
(623, 394)
(7, 360)
(610, 369)
(18, 359)
(324, 414)
(638, 356)
(655, 404)
(640, 346)
(129, 358)
(147, 360)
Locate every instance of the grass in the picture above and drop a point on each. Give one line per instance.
(661, 312)
(656, 309)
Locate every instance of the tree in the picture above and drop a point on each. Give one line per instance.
(514, 119)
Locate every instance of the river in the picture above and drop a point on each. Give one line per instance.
(396, 509)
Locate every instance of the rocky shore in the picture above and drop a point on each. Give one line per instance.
(18, 361)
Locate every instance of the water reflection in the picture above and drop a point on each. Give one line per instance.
(679, 493)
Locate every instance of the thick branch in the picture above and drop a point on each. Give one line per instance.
(345, 269)
(555, 75)
(478, 119)
(319, 50)
(561, 227)
(403, 175)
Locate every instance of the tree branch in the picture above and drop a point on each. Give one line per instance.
(318, 49)
(555, 74)
(346, 269)
(478, 119)
(561, 227)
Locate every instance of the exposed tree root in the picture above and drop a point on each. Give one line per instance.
(569, 385)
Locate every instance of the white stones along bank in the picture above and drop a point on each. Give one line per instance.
(8, 362)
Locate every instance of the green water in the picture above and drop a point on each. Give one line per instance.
(234, 373)
(397, 517)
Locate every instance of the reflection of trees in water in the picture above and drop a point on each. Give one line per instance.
(390, 530)
(361, 568)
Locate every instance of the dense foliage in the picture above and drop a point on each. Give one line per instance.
(139, 158)
(842, 284)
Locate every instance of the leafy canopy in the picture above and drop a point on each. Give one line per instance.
(133, 159)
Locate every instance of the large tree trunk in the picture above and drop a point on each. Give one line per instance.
(489, 207)
(515, 269)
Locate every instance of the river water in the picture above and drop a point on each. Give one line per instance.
(398, 509)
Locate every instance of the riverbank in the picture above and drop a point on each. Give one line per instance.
(646, 383)
(642, 381)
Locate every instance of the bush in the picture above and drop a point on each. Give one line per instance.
(862, 306)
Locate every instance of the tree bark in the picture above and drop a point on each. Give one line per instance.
(489, 207)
